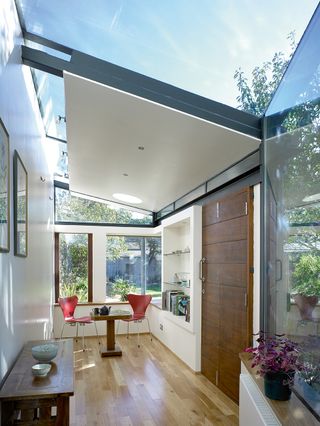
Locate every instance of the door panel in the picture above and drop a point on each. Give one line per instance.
(229, 373)
(233, 206)
(233, 319)
(226, 320)
(237, 230)
(230, 274)
(230, 252)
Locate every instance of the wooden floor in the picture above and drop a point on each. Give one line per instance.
(146, 386)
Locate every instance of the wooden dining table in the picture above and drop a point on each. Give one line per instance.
(111, 349)
(26, 399)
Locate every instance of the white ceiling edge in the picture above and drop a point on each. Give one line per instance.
(105, 127)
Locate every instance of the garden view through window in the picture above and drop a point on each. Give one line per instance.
(74, 273)
(72, 207)
(133, 265)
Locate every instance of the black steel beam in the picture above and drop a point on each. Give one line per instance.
(48, 43)
(249, 165)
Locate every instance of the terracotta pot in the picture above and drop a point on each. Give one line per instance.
(306, 305)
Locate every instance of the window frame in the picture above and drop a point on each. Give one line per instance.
(136, 236)
(57, 264)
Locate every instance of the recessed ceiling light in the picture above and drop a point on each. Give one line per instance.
(127, 198)
(311, 198)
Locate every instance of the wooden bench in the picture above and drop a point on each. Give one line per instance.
(27, 399)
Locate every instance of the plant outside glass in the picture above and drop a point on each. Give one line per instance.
(133, 265)
(73, 249)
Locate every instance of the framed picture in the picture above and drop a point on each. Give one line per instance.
(20, 198)
(4, 190)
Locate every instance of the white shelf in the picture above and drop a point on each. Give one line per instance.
(177, 253)
(178, 320)
(178, 284)
(181, 254)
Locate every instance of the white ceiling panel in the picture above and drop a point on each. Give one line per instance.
(106, 127)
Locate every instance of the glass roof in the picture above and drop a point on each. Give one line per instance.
(196, 46)
(301, 83)
(50, 93)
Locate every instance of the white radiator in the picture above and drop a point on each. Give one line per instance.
(254, 409)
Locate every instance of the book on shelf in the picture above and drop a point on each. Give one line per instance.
(167, 299)
(173, 299)
(182, 305)
(188, 311)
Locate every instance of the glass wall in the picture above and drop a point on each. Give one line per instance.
(133, 265)
(292, 210)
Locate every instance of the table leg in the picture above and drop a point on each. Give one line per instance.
(7, 412)
(110, 335)
(63, 411)
(112, 349)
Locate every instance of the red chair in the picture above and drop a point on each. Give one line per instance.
(68, 306)
(139, 304)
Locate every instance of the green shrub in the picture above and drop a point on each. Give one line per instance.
(122, 288)
(306, 276)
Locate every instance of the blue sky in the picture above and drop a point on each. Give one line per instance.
(193, 44)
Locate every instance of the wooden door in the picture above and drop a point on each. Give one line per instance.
(227, 246)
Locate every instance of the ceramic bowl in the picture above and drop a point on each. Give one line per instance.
(41, 369)
(44, 353)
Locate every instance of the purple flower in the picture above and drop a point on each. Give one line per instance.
(275, 354)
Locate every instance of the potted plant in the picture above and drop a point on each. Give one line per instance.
(306, 284)
(277, 359)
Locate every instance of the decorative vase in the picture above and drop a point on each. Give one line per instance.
(277, 385)
(306, 305)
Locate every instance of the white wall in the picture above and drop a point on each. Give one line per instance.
(25, 283)
(181, 341)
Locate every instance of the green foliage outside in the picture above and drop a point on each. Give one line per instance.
(300, 171)
(304, 215)
(311, 363)
(70, 208)
(255, 97)
(122, 288)
(306, 276)
(123, 253)
(115, 247)
(74, 266)
(154, 290)
(80, 289)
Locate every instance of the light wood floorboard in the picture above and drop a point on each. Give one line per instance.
(147, 386)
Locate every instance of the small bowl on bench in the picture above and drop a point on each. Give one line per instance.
(41, 370)
(44, 353)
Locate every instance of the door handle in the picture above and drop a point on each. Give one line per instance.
(201, 277)
(278, 270)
